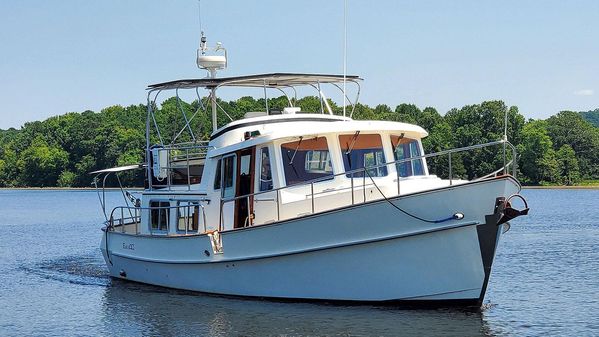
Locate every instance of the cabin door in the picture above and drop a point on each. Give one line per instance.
(245, 177)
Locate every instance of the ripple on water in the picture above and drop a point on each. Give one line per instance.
(87, 270)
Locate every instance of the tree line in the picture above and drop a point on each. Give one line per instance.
(62, 150)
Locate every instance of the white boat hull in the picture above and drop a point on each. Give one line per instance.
(370, 252)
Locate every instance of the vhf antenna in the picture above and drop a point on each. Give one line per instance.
(205, 58)
(202, 47)
(344, 54)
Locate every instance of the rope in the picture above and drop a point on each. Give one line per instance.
(456, 216)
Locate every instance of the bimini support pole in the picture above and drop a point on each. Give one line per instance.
(148, 151)
(214, 111)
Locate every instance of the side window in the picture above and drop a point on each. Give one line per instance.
(363, 151)
(217, 175)
(265, 170)
(306, 159)
(405, 148)
(318, 161)
(159, 215)
(229, 175)
(417, 166)
(226, 168)
(188, 216)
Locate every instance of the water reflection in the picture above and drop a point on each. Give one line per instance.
(131, 308)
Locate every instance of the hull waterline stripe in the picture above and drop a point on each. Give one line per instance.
(349, 244)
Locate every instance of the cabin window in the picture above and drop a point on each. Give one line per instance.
(318, 161)
(405, 148)
(306, 159)
(217, 175)
(225, 175)
(265, 170)
(159, 215)
(363, 151)
(188, 216)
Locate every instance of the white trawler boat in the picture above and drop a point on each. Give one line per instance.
(306, 206)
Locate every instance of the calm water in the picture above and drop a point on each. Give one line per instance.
(53, 282)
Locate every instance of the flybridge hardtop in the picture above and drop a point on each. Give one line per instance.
(306, 205)
(275, 127)
(271, 80)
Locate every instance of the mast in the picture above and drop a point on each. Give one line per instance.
(211, 63)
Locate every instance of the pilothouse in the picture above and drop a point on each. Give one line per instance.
(305, 205)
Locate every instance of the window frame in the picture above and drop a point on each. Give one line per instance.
(161, 211)
(193, 216)
(259, 177)
(219, 176)
(376, 152)
(322, 164)
(411, 143)
(283, 161)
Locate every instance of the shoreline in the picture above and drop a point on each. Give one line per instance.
(580, 187)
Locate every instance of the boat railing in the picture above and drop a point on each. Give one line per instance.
(361, 174)
(127, 219)
(179, 160)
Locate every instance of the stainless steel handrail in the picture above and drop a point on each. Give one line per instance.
(352, 174)
(136, 219)
(121, 221)
(190, 151)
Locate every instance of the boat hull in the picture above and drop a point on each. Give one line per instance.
(372, 252)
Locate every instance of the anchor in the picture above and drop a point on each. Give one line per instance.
(509, 213)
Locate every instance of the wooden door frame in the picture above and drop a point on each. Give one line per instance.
(244, 152)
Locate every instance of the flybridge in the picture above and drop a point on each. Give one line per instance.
(191, 155)
(285, 83)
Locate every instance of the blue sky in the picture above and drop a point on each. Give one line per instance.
(62, 56)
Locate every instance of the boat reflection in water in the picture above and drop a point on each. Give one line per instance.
(132, 308)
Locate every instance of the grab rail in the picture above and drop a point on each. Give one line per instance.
(123, 220)
(181, 152)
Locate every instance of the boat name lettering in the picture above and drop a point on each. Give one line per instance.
(130, 246)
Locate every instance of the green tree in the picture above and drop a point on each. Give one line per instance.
(569, 128)
(483, 123)
(537, 157)
(591, 116)
(9, 170)
(309, 104)
(440, 139)
(363, 112)
(407, 113)
(383, 112)
(41, 164)
(66, 179)
(568, 165)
